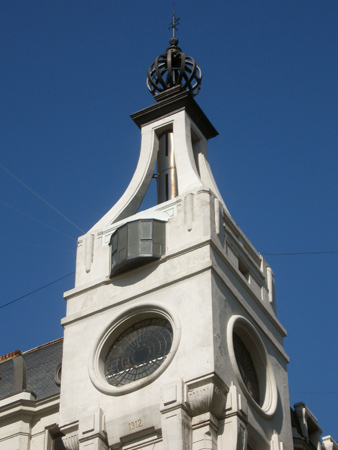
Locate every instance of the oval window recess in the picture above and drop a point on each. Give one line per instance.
(252, 366)
(57, 374)
(134, 350)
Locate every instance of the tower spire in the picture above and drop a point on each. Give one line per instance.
(174, 68)
(173, 24)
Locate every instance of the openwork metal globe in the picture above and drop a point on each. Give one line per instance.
(174, 68)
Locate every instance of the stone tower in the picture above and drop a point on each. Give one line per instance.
(171, 336)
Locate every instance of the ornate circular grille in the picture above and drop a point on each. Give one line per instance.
(138, 351)
(246, 368)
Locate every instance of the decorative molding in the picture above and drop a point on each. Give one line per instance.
(181, 101)
(309, 425)
(206, 394)
(70, 441)
(103, 342)
(329, 443)
(92, 426)
(172, 396)
(267, 383)
(276, 443)
(271, 287)
(89, 251)
(236, 403)
(189, 211)
(217, 215)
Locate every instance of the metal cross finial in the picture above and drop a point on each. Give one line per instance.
(174, 22)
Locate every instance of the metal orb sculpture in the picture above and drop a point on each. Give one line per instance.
(174, 68)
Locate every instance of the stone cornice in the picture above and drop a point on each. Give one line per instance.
(23, 405)
(175, 103)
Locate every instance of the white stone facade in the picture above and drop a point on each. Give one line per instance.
(222, 384)
(210, 283)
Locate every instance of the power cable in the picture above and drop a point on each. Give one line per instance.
(36, 290)
(36, 245)
(300, 253)
(36, 220)
(71, 273)
(39, 197)
(314, 393)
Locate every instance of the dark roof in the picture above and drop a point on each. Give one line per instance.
(298, 435)
(6, 378)
(42, 365)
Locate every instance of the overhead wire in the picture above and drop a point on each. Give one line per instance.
(34, 244)
(36, 220)
(313, 393)
(71, 273)
(300, 253)
(35, 290)
(39, 196)
(72, 223)
(42, 223)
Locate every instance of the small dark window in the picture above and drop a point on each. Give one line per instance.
(58, 444)
(55, 442)
(243, 269)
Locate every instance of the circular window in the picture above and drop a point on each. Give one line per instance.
(57, 374)
(246, 368)
(134, 349)
(139, 351)
(252, 365)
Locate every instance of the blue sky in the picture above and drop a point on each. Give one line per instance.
(72, 73)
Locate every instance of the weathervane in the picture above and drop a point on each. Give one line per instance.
(173, 24)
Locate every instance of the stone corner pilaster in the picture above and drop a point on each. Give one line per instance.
(92, 430)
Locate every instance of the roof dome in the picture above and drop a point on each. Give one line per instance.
(174, 68)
